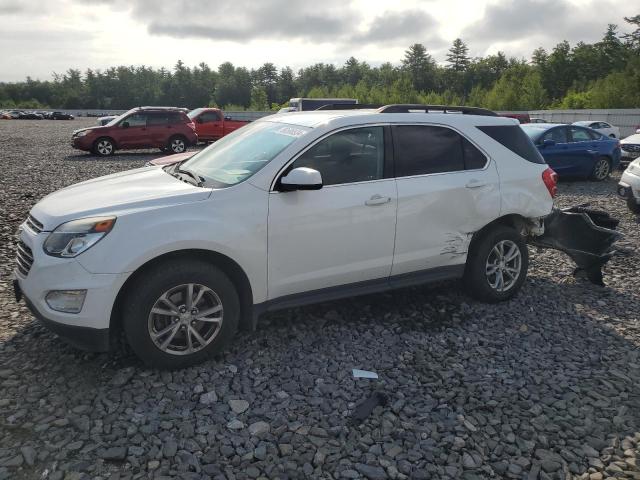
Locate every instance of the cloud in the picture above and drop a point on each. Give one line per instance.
(240, 21)
(541, 22)
(401, 28)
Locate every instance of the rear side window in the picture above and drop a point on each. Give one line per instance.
(514, 138)
(174, 118)
(156, 119)
(580, 134)
(422, 149)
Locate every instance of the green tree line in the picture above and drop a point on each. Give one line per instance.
(605, 74)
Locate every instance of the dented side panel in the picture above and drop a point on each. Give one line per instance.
(438, 214)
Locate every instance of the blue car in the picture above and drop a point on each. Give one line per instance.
(574, 151)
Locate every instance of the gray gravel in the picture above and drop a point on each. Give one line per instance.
(546, 386)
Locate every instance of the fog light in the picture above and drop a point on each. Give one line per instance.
(67, 301)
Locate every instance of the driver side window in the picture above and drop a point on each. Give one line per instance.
(558, 135)
(355, 155)
(136, 120)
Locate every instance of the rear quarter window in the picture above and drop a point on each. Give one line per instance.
(514, 138)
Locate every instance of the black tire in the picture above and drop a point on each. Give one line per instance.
(632, 205)
(103, 147)
(601, 169)
(177, 144)
(145, 292)
(477, 280)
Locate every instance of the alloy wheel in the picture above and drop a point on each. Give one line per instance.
(104, 147)
(504, 264)
(601, 170)
(177, 145)
(185, 319)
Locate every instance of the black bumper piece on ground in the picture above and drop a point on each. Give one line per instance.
(586, 235)
(84, 338)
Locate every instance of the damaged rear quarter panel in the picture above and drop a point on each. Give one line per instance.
(522, 189)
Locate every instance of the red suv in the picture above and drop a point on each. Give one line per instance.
(166, 128)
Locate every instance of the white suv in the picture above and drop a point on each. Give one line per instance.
(292, 209)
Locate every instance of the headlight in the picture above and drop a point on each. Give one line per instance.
(82, 133)
(72, 238)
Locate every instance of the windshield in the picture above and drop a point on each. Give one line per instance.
(194, 113)
(117, 119)
(241, 154)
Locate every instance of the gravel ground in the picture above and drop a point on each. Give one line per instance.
(546, 386)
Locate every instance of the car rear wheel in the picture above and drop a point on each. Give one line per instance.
(180, 313)
(177, 144)
(497, 265)
(103, 147)
(601, 170)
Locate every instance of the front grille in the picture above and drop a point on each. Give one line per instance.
(24, 258)
(34, 225)
(627, 147)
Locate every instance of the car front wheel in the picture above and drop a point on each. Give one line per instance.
(103, 147)
(497, 265)
(180, 314)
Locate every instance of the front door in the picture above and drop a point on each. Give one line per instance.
(557, 155)
(447, 190)
(209, 125)
(343, 233)
(133, 131)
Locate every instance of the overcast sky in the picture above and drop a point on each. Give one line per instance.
(38, 38)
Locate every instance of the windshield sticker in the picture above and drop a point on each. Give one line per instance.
(291, 131)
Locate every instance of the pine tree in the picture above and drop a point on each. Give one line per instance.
(457, 57)
(420, 66)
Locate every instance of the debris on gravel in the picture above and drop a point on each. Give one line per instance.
(545, 386)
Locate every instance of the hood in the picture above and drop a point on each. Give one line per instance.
(634, 139)
(93, 127)
(171, 159)
(124, 192)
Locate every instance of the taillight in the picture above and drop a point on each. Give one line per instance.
(192, 126)
(550, 179)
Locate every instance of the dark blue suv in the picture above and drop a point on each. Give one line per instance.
(574, 151)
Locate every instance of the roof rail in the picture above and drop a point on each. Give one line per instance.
(410, 108)
(349, 106)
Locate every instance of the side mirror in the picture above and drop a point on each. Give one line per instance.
(125, 125)
(301, 178)
(548, 143)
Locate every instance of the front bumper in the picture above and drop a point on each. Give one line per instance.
(82, 143)
(629, 185)
(88, 329)
(84, 338)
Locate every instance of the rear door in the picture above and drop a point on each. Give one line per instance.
(132, 131)
(447, 189)
(583, 150)
(157, 128)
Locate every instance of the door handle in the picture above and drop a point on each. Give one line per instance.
(377, 200)
(475, 184)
